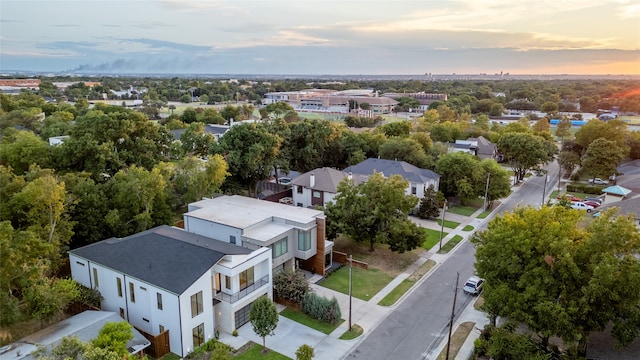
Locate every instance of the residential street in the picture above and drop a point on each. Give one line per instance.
(415, 328)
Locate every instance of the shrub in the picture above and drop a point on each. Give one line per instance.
(304, 352)
(235, 332)
(321, 308)
(290, 285)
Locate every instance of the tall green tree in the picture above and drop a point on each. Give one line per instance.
(525, 152)
(406, 149)
(372, 210)
(602, 158)
(263, 317)
(196, 141)
(546, 269)
(250, 151)
(21, 149)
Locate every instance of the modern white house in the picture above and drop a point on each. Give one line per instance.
(296, 236)
(419, 179)
(169, 279)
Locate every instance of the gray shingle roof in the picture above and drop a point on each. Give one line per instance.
(166, 257)
(391, 167)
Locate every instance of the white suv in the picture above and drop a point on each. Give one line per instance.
(473, 286)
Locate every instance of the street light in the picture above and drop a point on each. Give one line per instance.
(486, 192)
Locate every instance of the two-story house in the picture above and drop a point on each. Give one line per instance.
(167, 278)
(419, 179)
(296, 236)
(320, 186)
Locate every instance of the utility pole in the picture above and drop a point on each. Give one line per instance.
(444, 210)
(486, 192)
(544, 188)
(453, 312)
(350, 287)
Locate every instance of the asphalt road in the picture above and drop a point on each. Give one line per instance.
(420, 322)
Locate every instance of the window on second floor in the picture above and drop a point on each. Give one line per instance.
(132, 293)
(246, 278)
(159, 300)
(196, 304)
(227, 282)
(95, 278)
(299, 189)
(414, 190)
(119, 286)
(232, 239)
(279, 248)
(304, 240)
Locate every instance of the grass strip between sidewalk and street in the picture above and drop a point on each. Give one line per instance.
(355, 331)
(432, 238)
(467, 228)
(457, 339)
(450, 244)
(308, 321)
(406, 284)
(366, 283)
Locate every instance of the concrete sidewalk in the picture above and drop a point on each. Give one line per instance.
(290, 335)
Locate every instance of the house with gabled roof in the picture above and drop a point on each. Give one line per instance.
(419, 179)
(168, 279)
(320, 186)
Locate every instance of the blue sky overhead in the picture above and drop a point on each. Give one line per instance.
(322, 36)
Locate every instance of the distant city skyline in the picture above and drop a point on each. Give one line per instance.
(321, 37)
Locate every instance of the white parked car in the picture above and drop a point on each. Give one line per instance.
(473, 286)
(598, 181)
(581, 206)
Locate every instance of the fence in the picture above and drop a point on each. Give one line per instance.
(344, 259)
(159, 344)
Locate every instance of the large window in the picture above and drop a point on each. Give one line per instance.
(227, 282)
(198, 335)
(246, 278)
(132, 293)
(119, 286)
(279, 248)
(196, 304)
(304, 240)
(232, 239)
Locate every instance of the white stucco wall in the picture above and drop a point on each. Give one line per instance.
(211, 229)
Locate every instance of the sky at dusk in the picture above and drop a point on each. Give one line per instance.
(315, 37)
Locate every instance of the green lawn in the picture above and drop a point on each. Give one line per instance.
(432, 238)
(462, 210)
(467, 228)
(484, 214)
(366, 283)
(448, 223)
(307, 320)
(255, 352)
(554, 194)
(450, 244)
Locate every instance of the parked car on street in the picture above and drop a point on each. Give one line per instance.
(569, 197)
(581, 206)
(473, 286)
(598, 181)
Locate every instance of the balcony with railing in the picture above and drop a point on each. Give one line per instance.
(232, 298)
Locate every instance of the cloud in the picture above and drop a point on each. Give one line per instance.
(163, 45)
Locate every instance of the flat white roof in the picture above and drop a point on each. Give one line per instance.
(267, 232)
(242, 212)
